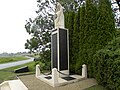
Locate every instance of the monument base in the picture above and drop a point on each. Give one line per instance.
(61, 81)
(55, 80)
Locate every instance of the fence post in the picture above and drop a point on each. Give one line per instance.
(38, 70)
(84, 71)
(54, 76)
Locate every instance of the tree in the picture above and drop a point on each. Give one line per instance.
(81, 34)
(105, 23)
(75, 40)
(40, 29)
(106, 57)
(71, 5)
(97, 28)
(89, 47)
(69, 24)
(40, 26)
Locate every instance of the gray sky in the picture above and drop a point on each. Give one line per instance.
(13, 14)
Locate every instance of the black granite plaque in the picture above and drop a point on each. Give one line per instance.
(60, 54)
(68, 78)
(54, 51)
(63, 49)
(48, 77)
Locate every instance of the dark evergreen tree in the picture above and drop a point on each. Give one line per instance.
(106, 32)
(98, 29)
(87, 35)
(75, 40)
(105, 23)
(69, 24)
(79, 61)
(90, 35)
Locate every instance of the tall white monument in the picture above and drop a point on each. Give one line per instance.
(60, 43)
(60, 55)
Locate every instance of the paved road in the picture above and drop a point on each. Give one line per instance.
(11, 64)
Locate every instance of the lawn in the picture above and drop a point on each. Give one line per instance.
(12, 59)
(8, 73)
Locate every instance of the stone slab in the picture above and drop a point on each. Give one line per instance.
(13, 85)
(36, 84)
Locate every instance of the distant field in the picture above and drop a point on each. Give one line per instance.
(12, 59)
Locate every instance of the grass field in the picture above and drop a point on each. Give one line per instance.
(12, 59)
(8, 73)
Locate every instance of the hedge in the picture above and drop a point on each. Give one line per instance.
(107, 65)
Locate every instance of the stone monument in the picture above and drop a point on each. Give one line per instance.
(60, 43)
(60, 55)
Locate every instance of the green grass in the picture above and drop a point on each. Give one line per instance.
(8, 73)
(12, 59)
(96, 87)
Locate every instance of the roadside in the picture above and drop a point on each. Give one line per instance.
(8, 73)
(16, 63)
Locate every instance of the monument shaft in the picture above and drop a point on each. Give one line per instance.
(60, 50)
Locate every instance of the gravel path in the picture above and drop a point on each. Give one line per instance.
(35, 84)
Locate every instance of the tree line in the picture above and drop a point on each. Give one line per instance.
(90, 29)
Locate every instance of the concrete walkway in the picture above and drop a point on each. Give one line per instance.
(35, 84)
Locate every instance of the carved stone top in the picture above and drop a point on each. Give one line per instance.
(59, 16)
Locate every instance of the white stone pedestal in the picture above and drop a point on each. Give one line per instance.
(57, 80)
(37, 70)
(54, 77)
(84, 71)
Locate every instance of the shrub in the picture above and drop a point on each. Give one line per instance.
(107, 65)
(44, 60)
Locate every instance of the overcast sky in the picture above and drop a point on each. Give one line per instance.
(13, 16)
